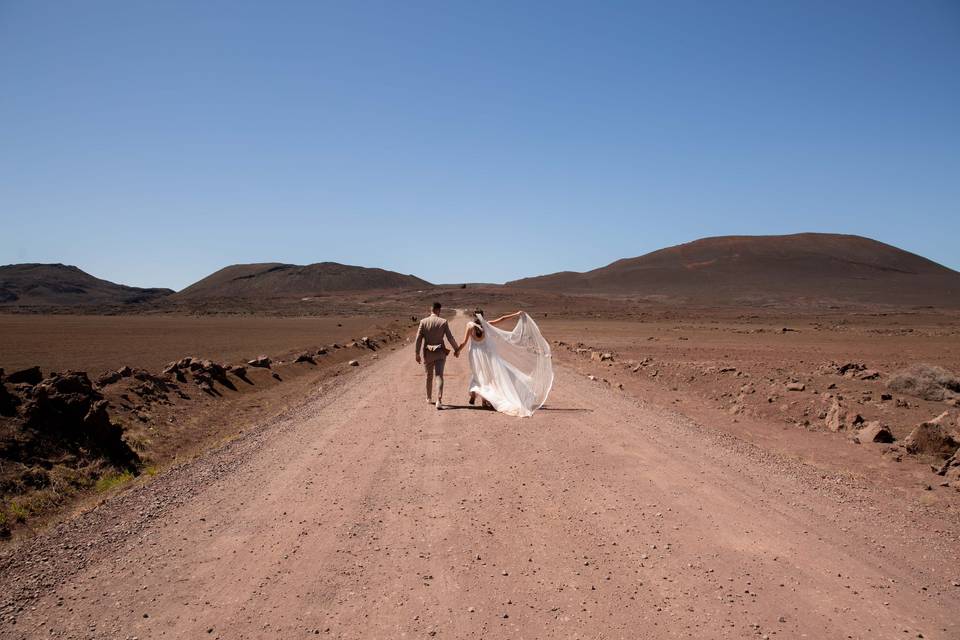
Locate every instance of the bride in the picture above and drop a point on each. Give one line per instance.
(511, 371)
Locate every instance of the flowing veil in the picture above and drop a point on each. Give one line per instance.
(512, 370)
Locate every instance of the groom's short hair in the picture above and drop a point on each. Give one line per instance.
(437, 306)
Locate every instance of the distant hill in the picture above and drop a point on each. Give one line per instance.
(64, 285)
(271, 279)
(811, 267)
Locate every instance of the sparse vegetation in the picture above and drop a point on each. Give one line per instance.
(17, 511)
(112, 480)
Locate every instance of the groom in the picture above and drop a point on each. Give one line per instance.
(433, 329)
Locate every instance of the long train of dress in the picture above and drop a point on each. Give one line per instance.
(512, 370)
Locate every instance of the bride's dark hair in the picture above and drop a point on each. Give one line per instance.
(477, 329)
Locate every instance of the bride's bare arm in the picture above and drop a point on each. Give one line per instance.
(506, 317)
(463, 345)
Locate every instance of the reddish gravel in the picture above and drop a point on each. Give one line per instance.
(365, 513)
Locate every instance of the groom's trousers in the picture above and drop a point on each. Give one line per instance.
(431, 368)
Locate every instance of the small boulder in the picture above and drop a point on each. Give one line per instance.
(214, 369)
(305, 357)
(354, 363)
(931, 438)
(795, 386)
(869, 374)
(125, 372)
(238, 370)
(873, 432)
(109, 377)
(31, 375)
(262, 362)
(835, 420)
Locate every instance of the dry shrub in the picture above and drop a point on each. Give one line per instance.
(926, 381)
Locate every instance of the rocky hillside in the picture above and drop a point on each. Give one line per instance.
(273, 280)
(65, 285)
(806, 267)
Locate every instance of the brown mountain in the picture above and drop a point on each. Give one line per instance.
(271, 279)
(805, 267)
(65, 285)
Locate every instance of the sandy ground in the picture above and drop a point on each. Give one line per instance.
(96, 344)
(366, 513)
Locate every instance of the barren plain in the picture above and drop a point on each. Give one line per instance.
(689, 477)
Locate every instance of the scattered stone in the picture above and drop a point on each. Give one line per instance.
(835, 419)
(795, 386)
(263, 362)
(931, 438)
(873, 432)
(305, 357)
(109, 377)
(354, 363)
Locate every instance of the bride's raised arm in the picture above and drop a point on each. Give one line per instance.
(506, 317)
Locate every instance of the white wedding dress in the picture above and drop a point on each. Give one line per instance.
(512, 370)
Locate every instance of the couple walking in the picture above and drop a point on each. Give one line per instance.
(510, 371)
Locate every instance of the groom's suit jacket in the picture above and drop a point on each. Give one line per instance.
(433, 329)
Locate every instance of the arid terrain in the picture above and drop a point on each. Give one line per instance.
(360, 511)
(253, 457)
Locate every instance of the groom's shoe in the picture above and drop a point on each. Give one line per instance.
(439, 405)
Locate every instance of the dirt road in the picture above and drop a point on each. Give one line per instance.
(366, 513)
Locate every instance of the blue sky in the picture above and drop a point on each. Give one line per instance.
(151, 143)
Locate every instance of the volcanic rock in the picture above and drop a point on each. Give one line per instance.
(108, 378)
(262, 361)
(31, 375)
(238, 370)
(66, 411)
(931, 438)
(873, 432)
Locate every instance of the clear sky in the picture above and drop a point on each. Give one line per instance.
(152, 143)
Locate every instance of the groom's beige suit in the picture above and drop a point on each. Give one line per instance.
(430, 334)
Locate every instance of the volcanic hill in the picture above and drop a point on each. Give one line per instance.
(804, 267)
(271, 280)
(63, 285)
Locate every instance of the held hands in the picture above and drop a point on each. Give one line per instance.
(419, 361)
